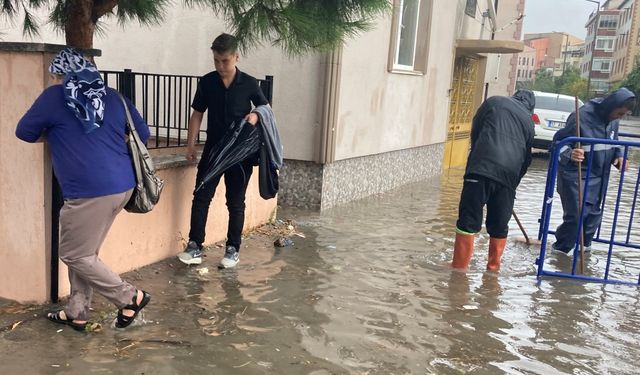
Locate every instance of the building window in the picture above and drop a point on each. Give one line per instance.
(605, 43)
(599, 85)
(470, 9)
(608, 21)
(602, 65)
(407, 34)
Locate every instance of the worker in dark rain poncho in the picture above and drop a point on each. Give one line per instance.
(501, 138)
(598, 119)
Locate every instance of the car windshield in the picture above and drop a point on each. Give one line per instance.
(555, 103)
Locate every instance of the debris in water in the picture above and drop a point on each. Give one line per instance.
(283, 242)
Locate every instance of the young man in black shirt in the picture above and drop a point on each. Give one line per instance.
(227, 95)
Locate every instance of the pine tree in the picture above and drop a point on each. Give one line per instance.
(297, 26)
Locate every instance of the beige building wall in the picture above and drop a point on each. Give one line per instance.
(382, 111)
(181, 46)
(502, 76)
(136, 240)
(23, 221)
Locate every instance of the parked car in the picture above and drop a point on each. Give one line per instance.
(550, 114)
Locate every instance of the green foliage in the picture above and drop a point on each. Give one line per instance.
(544, 81)
(297, 26)
(569, 83)
(632, 80)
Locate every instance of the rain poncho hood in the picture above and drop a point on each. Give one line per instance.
(527, 98)
(604, 106)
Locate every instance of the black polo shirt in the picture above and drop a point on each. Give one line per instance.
(226, 105)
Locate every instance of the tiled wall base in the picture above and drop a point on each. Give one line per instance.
(317, 186)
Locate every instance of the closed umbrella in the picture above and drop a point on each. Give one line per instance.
(238, 143)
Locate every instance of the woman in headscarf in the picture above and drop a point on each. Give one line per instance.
(84, 124)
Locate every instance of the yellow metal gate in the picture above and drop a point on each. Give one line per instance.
(461, 111)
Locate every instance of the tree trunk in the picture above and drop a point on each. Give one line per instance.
(81, 21)
(80, 26)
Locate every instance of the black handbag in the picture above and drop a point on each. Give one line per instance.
(146, 193)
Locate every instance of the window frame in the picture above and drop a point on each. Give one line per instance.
(396, 56)
(609, 19)
(611, 41)
(601, 61)
(421, 39)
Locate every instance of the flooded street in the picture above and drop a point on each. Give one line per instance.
(366, 291)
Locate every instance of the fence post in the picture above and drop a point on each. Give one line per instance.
(267, 88)
(128, 85)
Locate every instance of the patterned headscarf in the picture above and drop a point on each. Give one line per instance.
(83, 87)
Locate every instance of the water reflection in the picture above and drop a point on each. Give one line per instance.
(394, 306)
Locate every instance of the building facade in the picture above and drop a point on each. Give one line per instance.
(550, 47)
(526, 65)
(599, 47)
(572, 56)
(627, 44)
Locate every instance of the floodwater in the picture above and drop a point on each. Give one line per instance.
(366, 291)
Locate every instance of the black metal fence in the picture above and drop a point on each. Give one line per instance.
(164, 101)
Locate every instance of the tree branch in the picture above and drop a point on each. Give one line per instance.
(102, 7)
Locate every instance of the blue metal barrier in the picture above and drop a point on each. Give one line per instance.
(599, 237)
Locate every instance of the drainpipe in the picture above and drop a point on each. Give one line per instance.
(330, 104)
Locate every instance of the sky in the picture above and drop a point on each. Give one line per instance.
(568, 16)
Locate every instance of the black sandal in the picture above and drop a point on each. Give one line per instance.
(124, 321)
(56, 318)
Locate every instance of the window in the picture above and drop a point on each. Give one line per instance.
(605, 43)
(602, 65)
(599, 85)
(470, 9)
(555, 103)
(608, 21)
(407, 34)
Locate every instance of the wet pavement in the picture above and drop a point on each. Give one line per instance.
(367, 290)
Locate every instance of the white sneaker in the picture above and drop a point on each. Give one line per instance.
(231, 258)
(192, 254)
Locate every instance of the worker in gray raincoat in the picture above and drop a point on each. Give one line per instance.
(599, 118)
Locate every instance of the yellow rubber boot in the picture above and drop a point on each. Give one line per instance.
(462, 251)
(496, 248)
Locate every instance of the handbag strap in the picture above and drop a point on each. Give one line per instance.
(132, 128)
(134, 141)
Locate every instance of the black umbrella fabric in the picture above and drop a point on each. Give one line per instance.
(238, 143)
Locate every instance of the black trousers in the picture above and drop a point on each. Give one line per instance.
(236, 180)
(477, 192)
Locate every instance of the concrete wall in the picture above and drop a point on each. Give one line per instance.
(181, 46)
(382, 111)
(25, 199)
(137, 240)
(23, 260)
